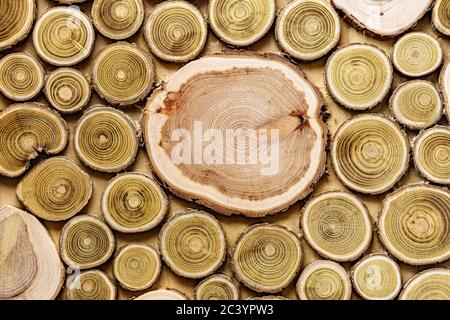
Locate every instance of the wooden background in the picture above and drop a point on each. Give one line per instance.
(233, 226)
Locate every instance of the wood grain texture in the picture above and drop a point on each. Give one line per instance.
(233, 226)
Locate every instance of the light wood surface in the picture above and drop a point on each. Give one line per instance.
(233, 225)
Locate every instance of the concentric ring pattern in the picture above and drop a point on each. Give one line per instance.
(370, 153)
(241, 22)
(308, 30)
(414, 224)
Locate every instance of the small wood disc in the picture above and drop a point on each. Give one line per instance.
(16, 21)
(29, 129)
(162, 294)
(91, 285)
(123, 74)
(370, 153)
(134, 202)
(416, 104)
(106, 139)
(55, 190)
(193, 244)
(67, 90)
(358, 83)
(263, 298)
(241, 23)
(308, 30)
(432, 284)
(324, 280)
(417, 54)
(282, 114)
(86, 242)
(337, 225)
(118, 20)
(70, 1)
(385, 19)
(441, 16)
(63, 36)
(217, 287)
(21, 76)
(267, 257)
(377, 277)
(176, 31)
(414, 224)
(137, 267)
(444, 82)
(432, 154)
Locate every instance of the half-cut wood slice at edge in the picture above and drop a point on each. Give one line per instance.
(265, 96)
(444, 82)
(17, 21)
(30, 265)
(162, 294)
(387, 18)
(431, 284)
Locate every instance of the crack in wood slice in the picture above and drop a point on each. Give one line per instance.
(241, 23)
(267, 257)
(176, 31)
(162, 294)
(444, 82)
(370, 153)
(431, 284)
(118, 20)
(387, 18)
(21, 76)
(246, 93)
(86, 242)
(193, 244)
(91, 285)
(217, 287)
(324, 280)
(358, 76)
(29, 260)
(106, 139)
(441, 16)
(63, 36)
(134, 202)
(432, 154)
(417, 54)
(416, 104)
(308, 30)
(16, 21)
(377, 277)
(414, 224)
(28, 129)
(55, 190)
(123, 74)
(137, 267)
(337, 225)
(67, 90)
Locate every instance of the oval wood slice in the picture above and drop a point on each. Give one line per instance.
(194, 144)
(387, 18)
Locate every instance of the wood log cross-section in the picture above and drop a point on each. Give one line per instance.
(30, 266)
(194, 125)
(387, 18)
